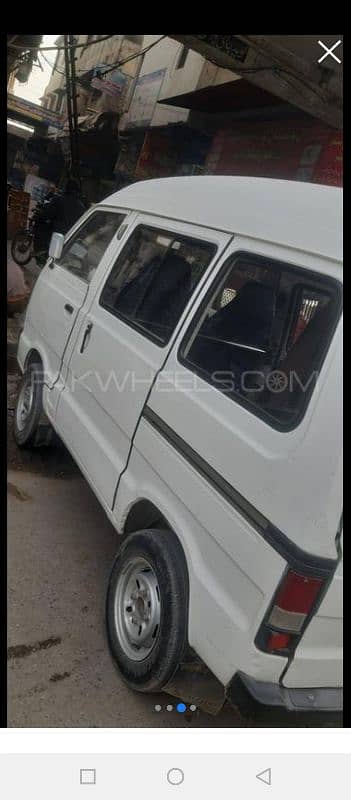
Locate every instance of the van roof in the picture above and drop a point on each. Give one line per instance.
(304, 216)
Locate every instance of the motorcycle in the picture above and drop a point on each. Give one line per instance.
(32, 241)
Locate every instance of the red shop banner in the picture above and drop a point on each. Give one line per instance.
(288, 149)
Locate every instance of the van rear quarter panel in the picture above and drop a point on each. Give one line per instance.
(232, 571)
(292, 478)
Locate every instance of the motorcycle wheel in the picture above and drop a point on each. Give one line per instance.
(22, 248)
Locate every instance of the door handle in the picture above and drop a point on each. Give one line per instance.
(69, 308)
(85, 337)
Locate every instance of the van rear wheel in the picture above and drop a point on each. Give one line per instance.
(147, 609)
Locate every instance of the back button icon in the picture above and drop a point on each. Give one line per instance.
(265, 777)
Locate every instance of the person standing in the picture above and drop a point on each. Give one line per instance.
(61, 212)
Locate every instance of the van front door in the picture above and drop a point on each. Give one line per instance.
(62, 287)
(123, 341)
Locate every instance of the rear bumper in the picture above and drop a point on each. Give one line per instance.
(243, 691)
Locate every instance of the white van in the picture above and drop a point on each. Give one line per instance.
(185, 343)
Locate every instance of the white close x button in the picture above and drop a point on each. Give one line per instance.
(329, 51)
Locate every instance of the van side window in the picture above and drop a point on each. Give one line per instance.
(84, 250)
(262, 334)
(153, 279)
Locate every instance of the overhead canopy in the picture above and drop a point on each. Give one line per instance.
(31, 113)
(297, 69)
(236, 95)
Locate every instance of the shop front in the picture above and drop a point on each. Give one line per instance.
(293, 149)
(176, 150)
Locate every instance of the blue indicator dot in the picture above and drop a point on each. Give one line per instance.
(181, 707)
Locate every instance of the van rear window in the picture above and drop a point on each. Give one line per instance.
(262, 334)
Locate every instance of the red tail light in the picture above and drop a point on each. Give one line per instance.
(278, 641)
(293, 602)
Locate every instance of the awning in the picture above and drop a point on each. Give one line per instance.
(25, 111)
(237, 95)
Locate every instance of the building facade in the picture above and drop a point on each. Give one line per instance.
(293, 148)
(200, 118)
(95, 94)
(161, 139)
(172, 112)
(103, 91)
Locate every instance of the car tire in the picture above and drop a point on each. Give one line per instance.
(147, 609)
(27, 430)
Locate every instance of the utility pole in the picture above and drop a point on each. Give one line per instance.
(72, 110)
(72, 52)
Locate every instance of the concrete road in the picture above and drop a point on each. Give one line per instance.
(60, 550)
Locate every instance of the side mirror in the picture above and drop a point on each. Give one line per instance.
(56, 246)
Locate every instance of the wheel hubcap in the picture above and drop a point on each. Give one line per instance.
(137, 609)
(24, 404)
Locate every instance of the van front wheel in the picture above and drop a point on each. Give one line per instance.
(29, 407)
(147, 609)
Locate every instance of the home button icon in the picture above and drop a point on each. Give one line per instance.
(175, 777)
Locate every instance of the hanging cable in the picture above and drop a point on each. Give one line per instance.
(53, 67)
(70, 47)
(135, 55)
(113, 66)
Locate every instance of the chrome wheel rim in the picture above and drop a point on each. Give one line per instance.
(24, 404)
(137, 609)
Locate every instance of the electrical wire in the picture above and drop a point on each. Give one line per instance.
(53, 67)
(113, 66)
(276, 70)
(135, 55)
(69, 47)
(39, 64)
(59, 71)
(27, 50)
(282, 70)
(240, 71)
